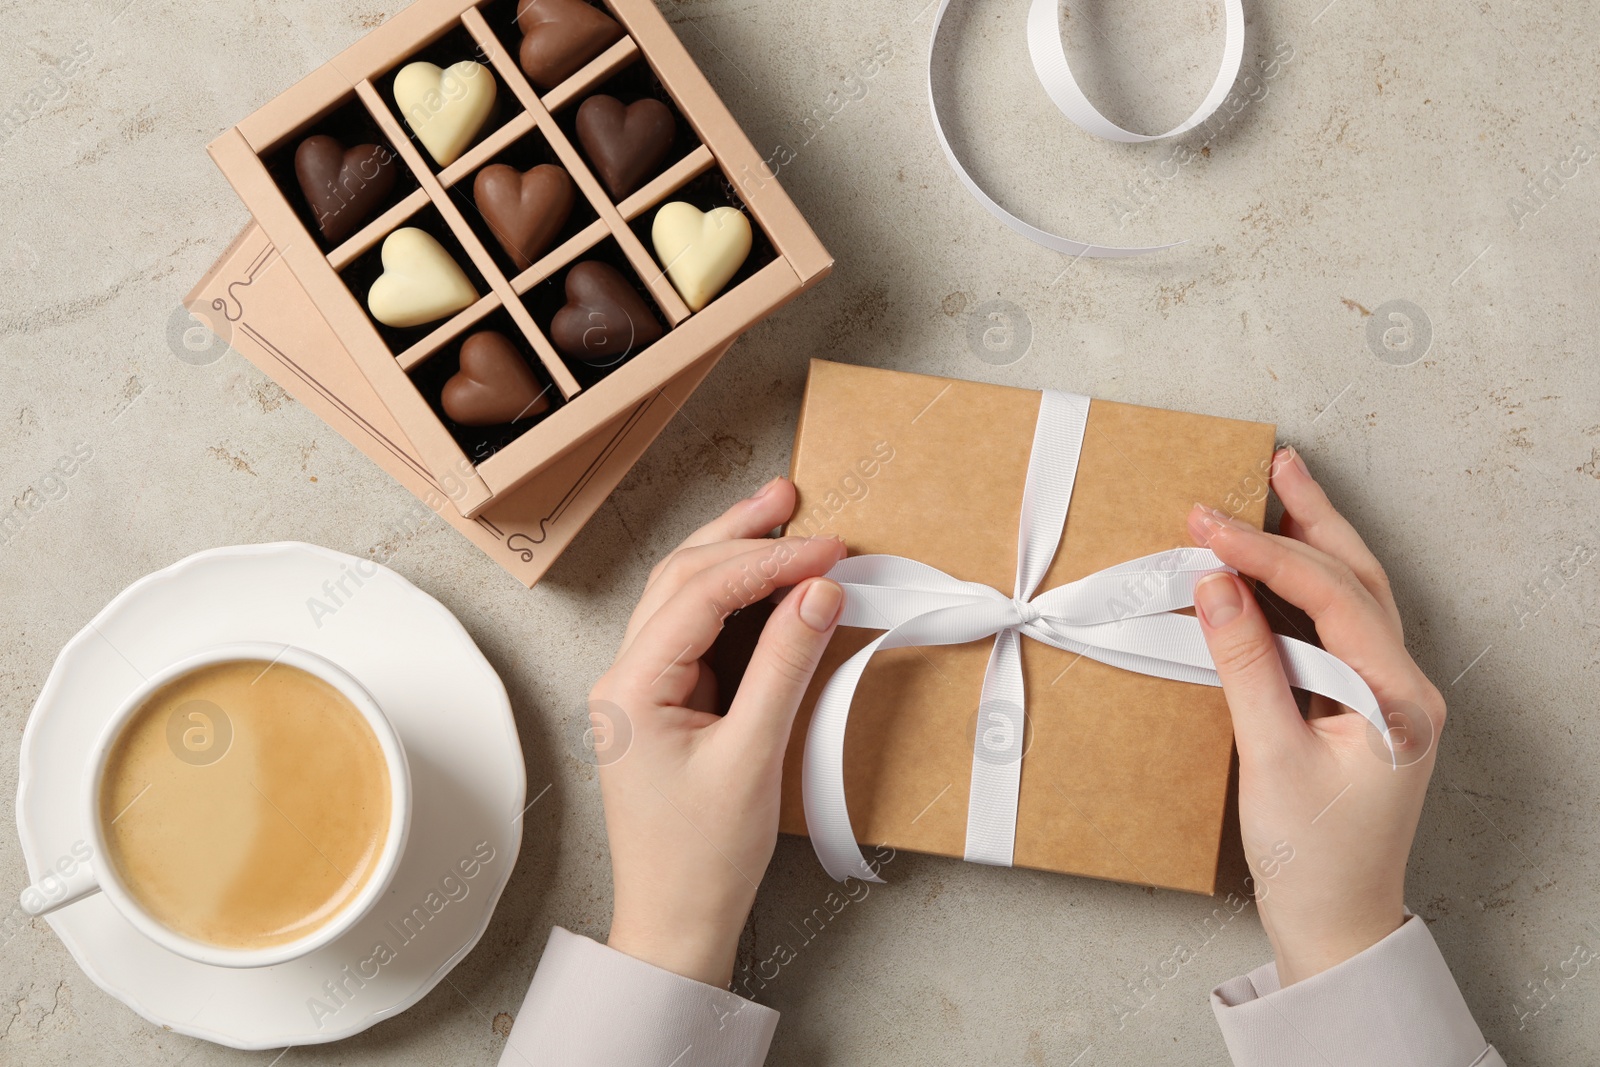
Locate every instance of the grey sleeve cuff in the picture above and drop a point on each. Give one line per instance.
(1394, 1004)
(592, 1006)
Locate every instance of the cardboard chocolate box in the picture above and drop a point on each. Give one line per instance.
(481, 54)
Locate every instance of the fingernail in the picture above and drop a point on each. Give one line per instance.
(1211, 520)
(1299, 461)
(1216, 597)
(1200, 526)
(821, 603)
(1204, 515)
(765, 489)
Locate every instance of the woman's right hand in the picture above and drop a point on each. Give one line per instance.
(1326, 810)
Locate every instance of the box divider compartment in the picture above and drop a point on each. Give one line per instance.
(599, 69)
(667, 182)
(486, 149)
(453, 327)
(366, 238)
(558, 257)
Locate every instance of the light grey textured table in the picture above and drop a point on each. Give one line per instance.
(1380, 164)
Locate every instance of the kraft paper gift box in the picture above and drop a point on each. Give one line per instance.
(712, 164)
(253, 303)
(1124, 776)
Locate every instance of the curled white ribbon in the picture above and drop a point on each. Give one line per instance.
(1054, 73)
(1123, 616)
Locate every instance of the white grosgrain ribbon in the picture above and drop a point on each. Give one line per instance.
(1124, 616)
(1054, 73)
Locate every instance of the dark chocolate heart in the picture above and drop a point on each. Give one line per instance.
(604, 319)
(494, 386)
(625, 143)
(560, 36)
(344, 187)
(525, 211)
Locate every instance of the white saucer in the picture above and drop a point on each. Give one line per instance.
(445, 701)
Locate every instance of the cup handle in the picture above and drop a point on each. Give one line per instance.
(57, 890)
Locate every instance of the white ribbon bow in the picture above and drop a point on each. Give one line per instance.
(1122, 616)
(1050, 65)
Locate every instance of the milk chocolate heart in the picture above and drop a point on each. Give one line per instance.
(625, 143)
(525, 211)
(345, 187)
(604, 319)
(560, 36)
(494, 386)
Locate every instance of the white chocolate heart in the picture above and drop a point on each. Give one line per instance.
(446, 107)
(700, 251)
(420, 282)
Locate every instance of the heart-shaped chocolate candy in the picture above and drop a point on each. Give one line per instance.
(494, 386)
(604, 319)
(700, 251)
(445, 106)
(560, 36)
(525, 211)
(345, 187)
(420, 283)
(626, 143)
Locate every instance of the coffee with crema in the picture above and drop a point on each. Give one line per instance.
(245, 804)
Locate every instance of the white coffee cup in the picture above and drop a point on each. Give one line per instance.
(83, 872)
